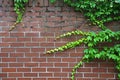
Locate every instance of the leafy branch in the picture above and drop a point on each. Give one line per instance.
(98, 12)
(19, 7)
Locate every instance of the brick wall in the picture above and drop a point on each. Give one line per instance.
(22, 51)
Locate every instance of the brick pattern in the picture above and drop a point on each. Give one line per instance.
(22, 51)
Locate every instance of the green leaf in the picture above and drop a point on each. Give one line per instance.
(52, 1)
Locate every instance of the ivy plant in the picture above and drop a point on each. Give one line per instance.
(98, 12)
(19, 8)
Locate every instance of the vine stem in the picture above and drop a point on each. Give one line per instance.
(13, 26)
(78, 65)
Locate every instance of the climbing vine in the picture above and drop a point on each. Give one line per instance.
(98, 12)
(19, 8)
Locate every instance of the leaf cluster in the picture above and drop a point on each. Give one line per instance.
(19, 7)
(98, 12)
(92, 40)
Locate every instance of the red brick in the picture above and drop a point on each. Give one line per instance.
(31, 64)
(7, 50)
(3, 74)
(47, 34)
(46, 64)
(38, 40)
(53, 18)
(60, 75)
(90, 75)
(8, 78)
(3, 64)
(76, 55)
(8, 59)
(4, 44)
(68, 59)
(77, 75)
(32, 55)
(107, 75)
(16, 34)
(91, 64)
(30, 74)
(47, 44)
(61, 64)
(16, 64)
(3, 54)
(108, 64)
(22, 49)
(83, 78)
(32, 34)
(64, 54)
(24, 70)
(99, 70)
(32, 44)
(24, 79)
(53, 70)
(23, 59)
(99, 79)
(38, 69)
(112, 70)
(38, 59)
(80, 50)
(54, 59)
(65, 78)
(8, 69)
(84, 70)
(3, 24)
(15, 75)
(17, 44)
(54, 79)
(66, 69)
(24, 39)
(9, 39)
(45, 74)
(38, 49)
(16, 54)
(39, 78)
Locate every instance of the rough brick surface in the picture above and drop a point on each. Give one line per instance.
(22, 51)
